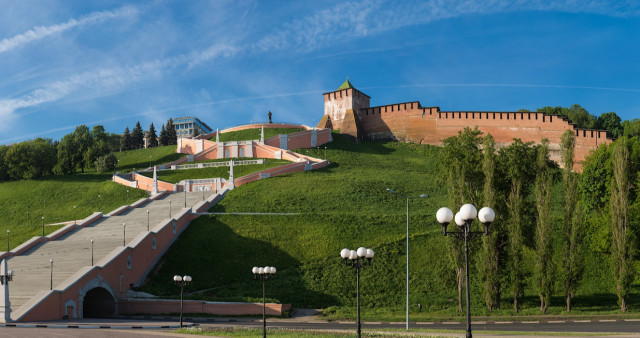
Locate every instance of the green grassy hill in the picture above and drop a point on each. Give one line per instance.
(345, 206)
(254, 134)
(55, 196)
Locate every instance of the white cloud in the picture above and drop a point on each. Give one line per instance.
(40, 32)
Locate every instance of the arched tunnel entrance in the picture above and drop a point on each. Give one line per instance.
(99, 303)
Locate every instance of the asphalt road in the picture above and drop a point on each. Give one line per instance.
(561, 326)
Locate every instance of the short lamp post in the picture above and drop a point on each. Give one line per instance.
(147, 220)
(124, 233)
(51, 278)
(357, 259)
(92, 252)
(463, 219)
(407, 265)
(169, 208)
(181, 282)
(42, 226)
(185, 195)
(99, 204)
(127, 196)
(264, 274)
(8, 238)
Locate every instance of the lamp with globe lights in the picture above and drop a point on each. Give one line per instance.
(357, 259)
(463, 219)
(264, 274)
(181, 282)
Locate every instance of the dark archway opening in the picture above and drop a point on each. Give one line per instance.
(98, 303)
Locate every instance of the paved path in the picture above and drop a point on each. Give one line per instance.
(73, 250)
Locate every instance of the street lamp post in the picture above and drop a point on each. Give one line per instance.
(185, 195)
(92, 252)
(357, 259)
(99, 206)
(51, 279)
(147, 220)
(181, 282)
(42, 226)
(463, 219)
(124, 233)
(407, 265)
(127, 196)
(264, 274)
(75, 218)
(8, 236)
(169, 208)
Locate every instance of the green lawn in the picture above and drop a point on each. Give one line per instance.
(346, 205)
(144, 158)
(175, 176)
(55, 196)
(254, 134)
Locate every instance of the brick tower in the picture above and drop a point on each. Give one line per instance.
(341, 109)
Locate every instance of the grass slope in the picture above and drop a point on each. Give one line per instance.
(346, 205)
(175, 176)
(55, 196)
(254, 134)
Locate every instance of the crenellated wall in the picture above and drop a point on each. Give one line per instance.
(411, 122)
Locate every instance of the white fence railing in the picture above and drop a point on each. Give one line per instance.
(215, 164)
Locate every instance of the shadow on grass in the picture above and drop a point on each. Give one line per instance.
(220, 262)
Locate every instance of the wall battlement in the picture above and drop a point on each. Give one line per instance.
(411, 122)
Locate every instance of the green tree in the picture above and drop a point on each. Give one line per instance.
(83, 141)
(4, 174)
(572, 263)
(622, 246)
(164, 137)
(101, 144)
(490, 261)
(515, 166)
(125, 140)
(172, 137)
(67, 155)
(460, 161)
(631, 128)
(576, 114)
(594, 182)
(31, 159)
(153, 138)
(137, 137)
(106, 163)
(610, 121)
(543, 253)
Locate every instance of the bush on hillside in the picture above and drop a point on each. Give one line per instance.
(106, 163)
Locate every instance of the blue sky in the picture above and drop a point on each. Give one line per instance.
(66, 63)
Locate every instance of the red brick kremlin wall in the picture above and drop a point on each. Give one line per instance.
(410, 122)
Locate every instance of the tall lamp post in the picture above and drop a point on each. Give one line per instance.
(51, 279)
(181, 282)
(357, 259)
(463, 219)
(407, 276)
(264, 274)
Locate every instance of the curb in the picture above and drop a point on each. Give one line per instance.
(90, 326)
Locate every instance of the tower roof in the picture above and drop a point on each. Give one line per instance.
(345, 85)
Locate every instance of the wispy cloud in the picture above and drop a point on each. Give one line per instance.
(358, 19)
(41, 32)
